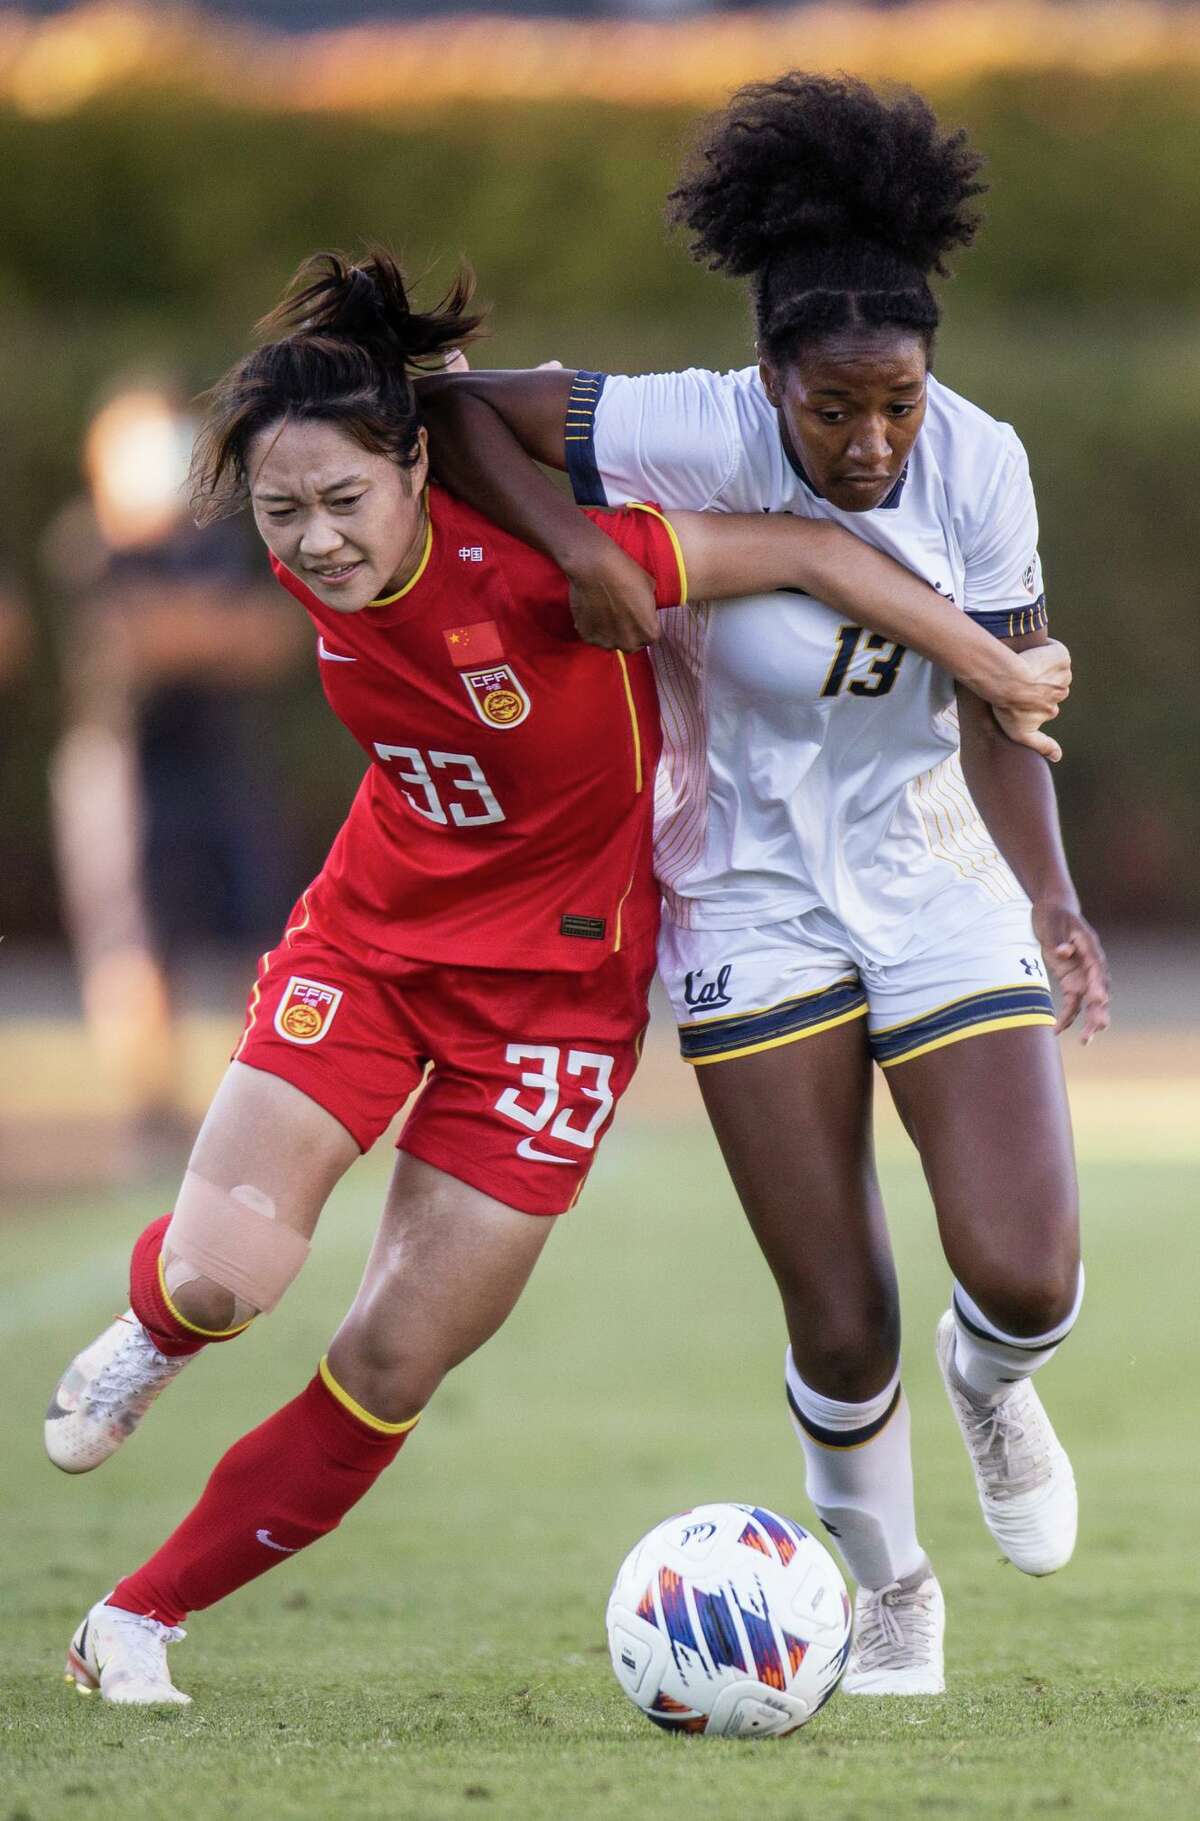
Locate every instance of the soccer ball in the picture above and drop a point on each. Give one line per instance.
(728, 1619)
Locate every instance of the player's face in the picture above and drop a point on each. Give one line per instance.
(851, 407)
(349, 523)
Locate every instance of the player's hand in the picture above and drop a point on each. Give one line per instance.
(1026, 730)
(1077, 963)
(1031, 682)
(612, 601)
(1047, 674)
(1041, 683)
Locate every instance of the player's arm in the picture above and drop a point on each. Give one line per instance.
(482, 425)
(727, 555)
(1014, 792)
(482, 428)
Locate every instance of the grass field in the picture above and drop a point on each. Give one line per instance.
(443, 1656)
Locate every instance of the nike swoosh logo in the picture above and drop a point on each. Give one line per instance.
(265, 1537)
(527, 1148)
(332, 657)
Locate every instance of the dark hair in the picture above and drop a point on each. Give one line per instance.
(838, 203)
(343, 339)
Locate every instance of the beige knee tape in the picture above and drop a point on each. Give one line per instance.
(234, 1238)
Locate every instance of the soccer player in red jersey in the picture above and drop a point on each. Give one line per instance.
(485, 922)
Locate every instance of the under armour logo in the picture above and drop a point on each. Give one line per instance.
(1031, 966)
(712, 993)
(471, 553)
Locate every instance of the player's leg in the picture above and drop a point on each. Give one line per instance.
(445, 1272)
(986, 1106)
(324, 1062)
(788, 1091)
(261, 1170)
(447, 1267)
(449, 1262)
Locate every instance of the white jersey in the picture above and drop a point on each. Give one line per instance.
(805, 761)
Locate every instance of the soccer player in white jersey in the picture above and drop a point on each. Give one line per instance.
(434, 629)
(856, 863)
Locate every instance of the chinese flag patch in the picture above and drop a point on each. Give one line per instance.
(470, 647)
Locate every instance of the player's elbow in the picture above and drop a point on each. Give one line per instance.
(442, 393)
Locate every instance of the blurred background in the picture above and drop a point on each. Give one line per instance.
(169, 775)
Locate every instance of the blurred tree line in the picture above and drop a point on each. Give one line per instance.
(150, 231)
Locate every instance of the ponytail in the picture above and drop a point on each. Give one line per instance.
(341, 343)
(368, 304)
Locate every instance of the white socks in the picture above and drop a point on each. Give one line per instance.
(857, 1456)
(987, 1360)
(859, 1477)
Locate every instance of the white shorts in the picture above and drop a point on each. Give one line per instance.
(736, 991)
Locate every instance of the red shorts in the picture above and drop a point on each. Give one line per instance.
(522, 1070)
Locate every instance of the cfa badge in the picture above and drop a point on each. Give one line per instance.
(499, 697)
(306, 1010)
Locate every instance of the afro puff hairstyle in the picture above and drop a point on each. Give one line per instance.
(838, 204)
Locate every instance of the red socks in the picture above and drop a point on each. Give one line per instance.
(170, 1334)
(288, 1482)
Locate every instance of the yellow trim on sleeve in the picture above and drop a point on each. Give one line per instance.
(971, 1030)
(633, 722)
(641, 506)
(364, 1416)
(387, 600)
(775, 1043)
(204, 1333)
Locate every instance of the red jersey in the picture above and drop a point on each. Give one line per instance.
(505, 818)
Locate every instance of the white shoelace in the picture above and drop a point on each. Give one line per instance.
(896, 1628)
(1009, 1443)
(128, 1382)
(143, 1646)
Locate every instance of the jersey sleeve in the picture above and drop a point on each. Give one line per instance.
(1004, 588)
(644, 534)
(670, 437)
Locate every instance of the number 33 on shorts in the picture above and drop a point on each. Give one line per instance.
(580, 1081)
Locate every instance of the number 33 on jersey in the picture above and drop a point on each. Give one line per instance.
(505, 819)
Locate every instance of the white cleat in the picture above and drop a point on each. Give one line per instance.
(104, 1394)
(124, 1657)
(899, 1636)
(1022, 1473)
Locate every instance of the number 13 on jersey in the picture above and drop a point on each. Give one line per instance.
(880, 676)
